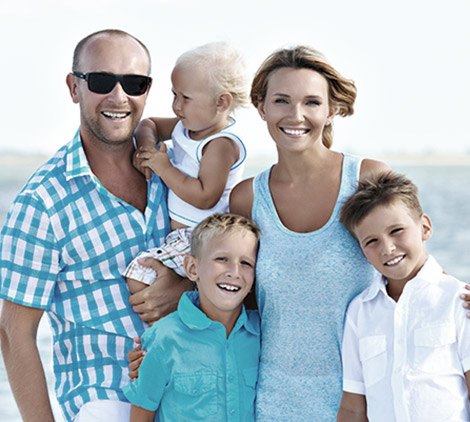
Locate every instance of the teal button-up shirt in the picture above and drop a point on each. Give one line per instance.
(193, 372)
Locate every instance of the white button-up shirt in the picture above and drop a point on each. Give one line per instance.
(409, 357)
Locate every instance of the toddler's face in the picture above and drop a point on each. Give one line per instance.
(224, 273)
(195, 104)
(392, 239)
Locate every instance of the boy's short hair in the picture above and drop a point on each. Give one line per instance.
(224, 67)
(380, 189)
(220, 224)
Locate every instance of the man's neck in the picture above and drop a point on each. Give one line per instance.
(112, 165)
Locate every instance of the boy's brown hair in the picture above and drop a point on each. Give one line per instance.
(220, 224)
(380, 189)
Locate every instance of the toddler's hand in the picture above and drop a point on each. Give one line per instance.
(157, 160)
(137, 163)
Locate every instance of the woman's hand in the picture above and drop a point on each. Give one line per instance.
(466, 298)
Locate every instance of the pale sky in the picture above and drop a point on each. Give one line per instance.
(410, 60)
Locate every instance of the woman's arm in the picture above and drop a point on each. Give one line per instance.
(369, 167)
(241, 198)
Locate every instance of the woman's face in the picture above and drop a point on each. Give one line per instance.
(296, 108)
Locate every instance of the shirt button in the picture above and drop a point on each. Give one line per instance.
(232, 411)
(230, 378)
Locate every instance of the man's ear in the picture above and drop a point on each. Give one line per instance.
(71, 82)
(224, 102)
(191, 267)
(427, 227)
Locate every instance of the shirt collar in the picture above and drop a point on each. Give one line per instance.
(77, 163)
(195, 319)
(430, 272)
(379, 284)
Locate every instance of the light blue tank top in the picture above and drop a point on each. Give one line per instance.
(305, 282)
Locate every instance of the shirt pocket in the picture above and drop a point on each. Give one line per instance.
(435, 347)
(196, 394)
(373, 356)
(250, 379)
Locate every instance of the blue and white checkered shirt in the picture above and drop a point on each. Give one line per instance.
(63, 248)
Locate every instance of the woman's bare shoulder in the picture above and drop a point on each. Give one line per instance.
(241, 198)
(369, 167)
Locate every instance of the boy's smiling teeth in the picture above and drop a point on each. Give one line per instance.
(295, 132)
(228, 287)
(112, 115)
(395, 260)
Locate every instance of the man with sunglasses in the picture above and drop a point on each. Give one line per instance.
(70, 233)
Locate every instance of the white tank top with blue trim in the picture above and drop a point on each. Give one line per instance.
(186, 156)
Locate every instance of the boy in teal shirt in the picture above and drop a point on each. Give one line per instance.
(202, 360)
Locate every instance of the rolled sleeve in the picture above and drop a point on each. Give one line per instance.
(147, 390)
(29, 258)
(353, 380)
(137, 397)
(463, 334)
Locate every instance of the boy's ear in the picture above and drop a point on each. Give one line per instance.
(224, 102)
(191, 267)
(72, 84)
(427, 227)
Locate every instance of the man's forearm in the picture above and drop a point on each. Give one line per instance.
(28, 384)
(18, 330)
(160, 298)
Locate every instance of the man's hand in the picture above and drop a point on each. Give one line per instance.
(160, 298)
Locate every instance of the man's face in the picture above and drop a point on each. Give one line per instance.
(109, 118)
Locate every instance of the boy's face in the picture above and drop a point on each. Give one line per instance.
(224, 273)
(392, 239)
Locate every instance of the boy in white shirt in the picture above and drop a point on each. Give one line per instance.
(406, 344)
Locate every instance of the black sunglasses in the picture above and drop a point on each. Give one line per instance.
(104, 83)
